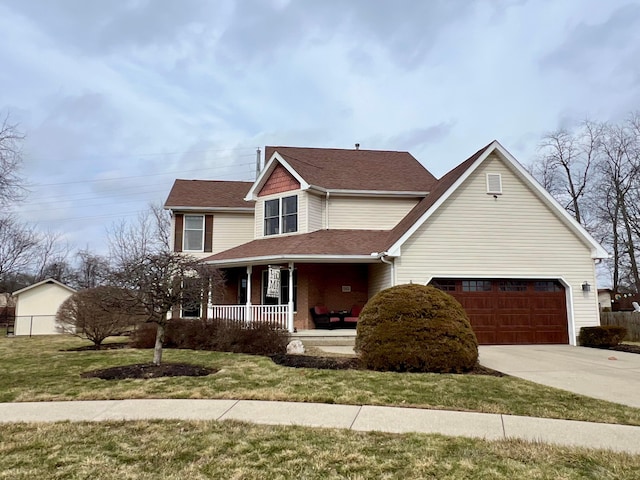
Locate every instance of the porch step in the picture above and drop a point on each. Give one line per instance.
(317, 338)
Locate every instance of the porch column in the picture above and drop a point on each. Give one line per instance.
(210, 302)
(247, 315)
(290, 309)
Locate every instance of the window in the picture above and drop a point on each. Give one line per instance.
(242, 291)
(192, 311)
(281, 215)
(284, 289)
(272, 217)
(194, 233)
(547, 286)
(290, 214)
(476, 286)
(512, 286)
(444, 284)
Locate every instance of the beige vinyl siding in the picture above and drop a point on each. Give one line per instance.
(379, 278)
(513, 235)
(231, 230)
(368, 213)
(315, 212)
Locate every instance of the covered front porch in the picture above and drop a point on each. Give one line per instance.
(251, 293)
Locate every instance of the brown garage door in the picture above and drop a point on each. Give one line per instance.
(506, 311)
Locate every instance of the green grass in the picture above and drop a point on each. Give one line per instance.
(39, 369)
(232, 450)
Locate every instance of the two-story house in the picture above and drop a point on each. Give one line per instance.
(333, 227)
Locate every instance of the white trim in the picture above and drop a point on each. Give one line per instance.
(596, 249)
(571, 323)
(281, 215)
(282, 258)
(42, 282)
(369, 193)
(266, 173)
(210, 209)
(184, 232)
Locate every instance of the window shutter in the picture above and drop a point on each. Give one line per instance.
(494, 183)
(179, 221)
(208, 233)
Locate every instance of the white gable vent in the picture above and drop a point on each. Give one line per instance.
(494, 184)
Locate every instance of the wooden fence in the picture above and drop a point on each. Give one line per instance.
(629, 320)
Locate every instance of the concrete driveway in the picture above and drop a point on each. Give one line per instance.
(603, 374)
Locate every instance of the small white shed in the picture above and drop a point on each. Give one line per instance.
(37, 305)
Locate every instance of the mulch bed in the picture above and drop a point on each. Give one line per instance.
(627, 348)
(149, 370)
(351, 363)
(104, 346)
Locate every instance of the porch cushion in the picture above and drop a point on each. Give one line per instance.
(353, 316)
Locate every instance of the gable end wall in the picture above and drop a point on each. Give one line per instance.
(515, 235)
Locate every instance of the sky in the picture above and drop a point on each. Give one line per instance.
(117, 99)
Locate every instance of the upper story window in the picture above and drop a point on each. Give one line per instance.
(193, 233)
(281, 215)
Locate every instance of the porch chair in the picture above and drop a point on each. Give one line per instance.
(351, 320)
(322, 318)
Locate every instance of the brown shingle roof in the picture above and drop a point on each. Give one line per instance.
(208, 194)
(341, 169)
(321, 242)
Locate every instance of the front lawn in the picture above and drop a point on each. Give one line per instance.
(199, 450)
(41, 368)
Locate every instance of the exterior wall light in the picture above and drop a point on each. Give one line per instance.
(586, 287)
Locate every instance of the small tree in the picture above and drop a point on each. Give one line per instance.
(95, 314)
(155, 278)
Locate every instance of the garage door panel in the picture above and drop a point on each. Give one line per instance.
(514, 311)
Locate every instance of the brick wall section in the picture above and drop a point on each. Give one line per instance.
(279, 181)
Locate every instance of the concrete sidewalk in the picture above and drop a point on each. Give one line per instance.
(621, 438)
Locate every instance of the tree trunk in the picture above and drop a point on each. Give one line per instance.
(157, 351)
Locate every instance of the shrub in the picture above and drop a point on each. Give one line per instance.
(415, 328)
(218, 335)
(95, 313)
(605, 336)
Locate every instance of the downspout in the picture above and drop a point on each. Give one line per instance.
(383, 258)
(326, 211)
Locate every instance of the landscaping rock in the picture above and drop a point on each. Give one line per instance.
(295, 347)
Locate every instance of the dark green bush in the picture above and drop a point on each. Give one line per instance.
(217, 335)
(605, 336)
(415, 328)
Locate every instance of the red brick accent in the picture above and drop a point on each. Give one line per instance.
(279, 181)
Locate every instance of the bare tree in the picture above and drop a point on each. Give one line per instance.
(91, 271)
(50, 258)
(95, 314)
(565, 164)
(157, 279)
(11, 183)
(17, 242)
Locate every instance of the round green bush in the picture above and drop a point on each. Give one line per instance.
(415, 328)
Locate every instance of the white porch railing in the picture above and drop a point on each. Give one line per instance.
(277, 315)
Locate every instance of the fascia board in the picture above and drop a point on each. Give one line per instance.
(267, 170)
(266, 259)
(394, 250)
(597, 250)
(42, 282)
(369, 193)
(212, 209)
